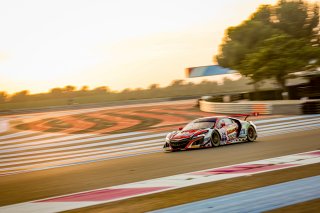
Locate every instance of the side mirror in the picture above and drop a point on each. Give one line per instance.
(223, 124)
(180, 128)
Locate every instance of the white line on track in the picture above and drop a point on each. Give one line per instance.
(40, 136)
(82, 159)
(62, 138)
(301, 121)
(25, 133)
(66, 140)
(92, 149)
(286, 118)
(17, 134)
(42, 144)
(297, 124)
(119, 147)
(292, 129)
(81, 153)
(82, 140)
(77, 163)
(68, 137)
(66, 153)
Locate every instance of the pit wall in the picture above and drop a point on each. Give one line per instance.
(263, 108)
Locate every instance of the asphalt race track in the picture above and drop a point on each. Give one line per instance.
(36, 165)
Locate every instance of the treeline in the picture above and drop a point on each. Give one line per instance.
(177, 88)
(274, 42)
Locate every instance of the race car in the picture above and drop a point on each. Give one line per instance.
(210, 132)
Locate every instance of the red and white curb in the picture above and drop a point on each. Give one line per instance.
(120, 192)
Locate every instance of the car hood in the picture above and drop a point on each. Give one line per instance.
(179, 135)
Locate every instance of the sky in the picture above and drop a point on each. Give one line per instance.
(115, 43)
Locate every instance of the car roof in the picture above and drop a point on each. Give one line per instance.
(208, 119)
(211, 119)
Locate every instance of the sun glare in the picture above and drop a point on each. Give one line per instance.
(121, 44)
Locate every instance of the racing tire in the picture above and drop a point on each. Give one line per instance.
(252, 134)
(215, 139)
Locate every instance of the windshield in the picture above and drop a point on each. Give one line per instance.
(198, 125)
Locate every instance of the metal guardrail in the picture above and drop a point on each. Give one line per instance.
(236, 108)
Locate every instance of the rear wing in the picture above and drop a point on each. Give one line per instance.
(246, 115)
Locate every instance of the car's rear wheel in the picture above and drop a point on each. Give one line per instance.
(215, 139)
(252, 134)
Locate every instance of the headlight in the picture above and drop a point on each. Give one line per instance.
(204, 137)
(198, 136)
(168, 138)
(166, 145)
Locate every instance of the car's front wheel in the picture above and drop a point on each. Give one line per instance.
(215, 139)
(252, 134)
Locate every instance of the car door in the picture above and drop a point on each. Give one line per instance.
(222, 128)
(231, 129)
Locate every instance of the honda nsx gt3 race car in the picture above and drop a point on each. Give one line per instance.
(210, 132)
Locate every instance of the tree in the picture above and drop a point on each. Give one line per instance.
(263, 14)
(101, 90)
(275, 41)
(177, 83)
(242, 40)
(279, 56)
(56, 91)
(84, 88)
(296, 18)
(3, 96)
(20, 96)
(69, 88)
(154, 86)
